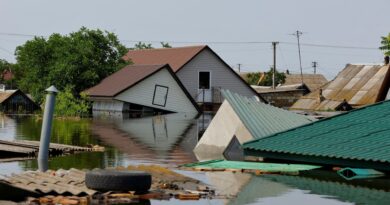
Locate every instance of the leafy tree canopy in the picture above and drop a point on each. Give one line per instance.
(78, 61)
(385, 44)
(253, 78)
(4, 65)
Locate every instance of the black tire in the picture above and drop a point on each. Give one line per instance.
(112, 180)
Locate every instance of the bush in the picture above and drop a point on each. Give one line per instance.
(67, 105)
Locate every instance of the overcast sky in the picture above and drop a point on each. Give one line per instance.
(348, 23)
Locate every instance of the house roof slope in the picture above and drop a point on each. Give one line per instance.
(312, 81)
(357, 136)
(261, 119)
(123, 79)
(175, 57)
(359, 85)
(4, 95)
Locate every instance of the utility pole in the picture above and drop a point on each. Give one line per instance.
(298, 34)
(239, 67)
(274, 67)
(315, 66)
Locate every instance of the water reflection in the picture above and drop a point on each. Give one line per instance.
(168, 140)
(323, 187)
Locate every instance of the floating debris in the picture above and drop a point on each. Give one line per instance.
(241, 166)
(68, 187)
(27, 148)
(354, 173)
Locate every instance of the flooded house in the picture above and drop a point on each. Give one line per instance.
(239, 120)
(282, 96)
(202, 72)
(355, 86)
(16, 102)
(142, 89)
(358, 138)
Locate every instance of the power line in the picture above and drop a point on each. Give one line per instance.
(331, 46)
(217, 42)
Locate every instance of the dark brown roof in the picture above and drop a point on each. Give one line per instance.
(175, 57)
(123, 79)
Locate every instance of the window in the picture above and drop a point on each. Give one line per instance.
(204, 80)
(160, 95)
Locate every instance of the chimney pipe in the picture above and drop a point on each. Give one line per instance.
(386, 60)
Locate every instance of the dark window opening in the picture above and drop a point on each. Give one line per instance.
(204, 80)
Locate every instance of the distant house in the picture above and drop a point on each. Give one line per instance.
(241, 119)
(142, 88)
(359, 138)
(312, 81)
(283, 96)
(355, 86)
(202, 72)
(15, 101)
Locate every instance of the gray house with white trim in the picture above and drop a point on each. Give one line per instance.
(202, 72)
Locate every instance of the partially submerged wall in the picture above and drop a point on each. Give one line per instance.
(220, 132)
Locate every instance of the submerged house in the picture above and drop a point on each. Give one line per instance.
(283, 96)
(202, 72)
(241, 119)
(353, 87)
(359, 138)
(15, 101)
(142, 88)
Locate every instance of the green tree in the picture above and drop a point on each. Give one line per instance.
(253, 78)
(141, 45)
(4, 65)
(385, 44)
(70, 106)
(165, 45)
(79, 60)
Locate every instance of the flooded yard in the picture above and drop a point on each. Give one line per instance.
(168, 141)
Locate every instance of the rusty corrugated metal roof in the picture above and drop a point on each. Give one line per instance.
(358, 85)
(123, 79)
(175, 57)
(312, 81)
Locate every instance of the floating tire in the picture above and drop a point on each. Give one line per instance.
(112, 180)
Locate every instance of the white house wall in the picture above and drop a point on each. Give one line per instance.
(220, 75)
(220, 132)
(142, 93)
(107, 105)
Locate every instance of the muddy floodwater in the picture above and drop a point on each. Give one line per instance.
(168, 140)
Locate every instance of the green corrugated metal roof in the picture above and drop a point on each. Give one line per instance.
(261, 119)
(362, 134)
(269, 167)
